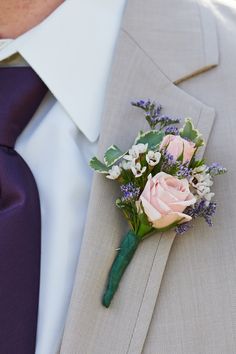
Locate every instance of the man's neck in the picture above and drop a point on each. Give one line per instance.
(19, 16)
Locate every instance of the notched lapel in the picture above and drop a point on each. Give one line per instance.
(122, 328)
(179, 35)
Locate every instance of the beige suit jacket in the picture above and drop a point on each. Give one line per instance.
(183, 301)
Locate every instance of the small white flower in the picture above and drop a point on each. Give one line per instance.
(135, 151)
(206, 194)
(207, 180)
(126, 165)
(204, 179)
(199, 169)
(209, 196)
(138, 170)
(202, 182)
(131, 156)
(202, 190)
(153, 158)
(142, 148)
(114, 172)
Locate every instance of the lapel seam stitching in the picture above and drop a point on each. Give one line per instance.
(210, 40)
(202, 31)
(137, 318)
(199, 116)
(141, 303)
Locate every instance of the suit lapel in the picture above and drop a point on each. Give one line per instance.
(122, 328)
(178, 35)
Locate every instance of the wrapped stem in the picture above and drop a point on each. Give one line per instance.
(127, 249)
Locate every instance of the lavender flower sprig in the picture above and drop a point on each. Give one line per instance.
(172, 130)
(216, 169)
(183, 228)
(203, 209)
(153, 114)
(184, 171)
(169, 160)
(129, 192)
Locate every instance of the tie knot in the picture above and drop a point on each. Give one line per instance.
(21, 92)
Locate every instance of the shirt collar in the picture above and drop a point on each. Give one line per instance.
(72, 51)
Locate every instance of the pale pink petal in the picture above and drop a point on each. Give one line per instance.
(147, 190)
(160, 204)
(165, 195)
(179, 189)
(150, 211)
(173, 149)
(181, 206)
(169, 219)
(165, 198)
(189, 150)
(166, 140)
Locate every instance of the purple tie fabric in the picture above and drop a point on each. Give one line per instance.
(21, 92)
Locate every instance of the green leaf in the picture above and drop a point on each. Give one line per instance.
(98, 166)
(119, 204)
(188, 131)
(197, 163)
(199, 141)
(112, 155)
(144, 226)
(153, 138)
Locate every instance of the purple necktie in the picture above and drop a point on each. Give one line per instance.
(21, 92)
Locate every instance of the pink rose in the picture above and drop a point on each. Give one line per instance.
(164, 199)
(176, 146)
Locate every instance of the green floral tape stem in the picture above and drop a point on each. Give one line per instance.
(127, 249)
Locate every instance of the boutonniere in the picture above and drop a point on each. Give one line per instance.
(163, 184)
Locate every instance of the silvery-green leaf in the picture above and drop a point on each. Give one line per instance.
(153, 138)
(188, 131)
(98, 166)
(112, 155)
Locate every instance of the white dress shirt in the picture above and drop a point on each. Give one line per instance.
(72, 52)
